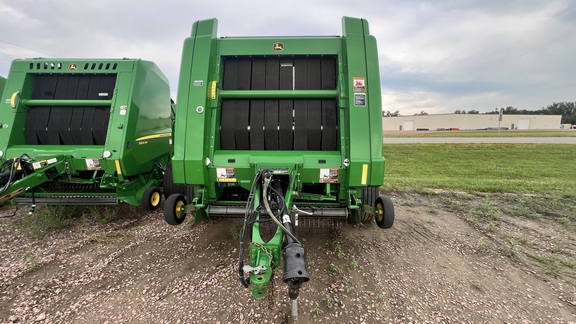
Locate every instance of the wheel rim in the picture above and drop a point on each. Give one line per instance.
(178, 209)
(155, 199)
(380, 216)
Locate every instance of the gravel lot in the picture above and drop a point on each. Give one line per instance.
(435, 265)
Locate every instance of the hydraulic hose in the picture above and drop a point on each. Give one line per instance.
(12, 172)
(267, 206)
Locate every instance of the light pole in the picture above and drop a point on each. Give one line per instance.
(500, 120)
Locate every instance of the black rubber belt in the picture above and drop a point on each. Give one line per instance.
(227, 121)
(314, 131)
(300, 125)
(285, 124)
(329, 125)
(271, 124)
(257, 124)
(242, 111)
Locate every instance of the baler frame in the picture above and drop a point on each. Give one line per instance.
(301, 115)
(84, 132)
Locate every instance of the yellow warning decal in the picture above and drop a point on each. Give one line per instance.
(226, 174)
(147, 137)
(213, 90)
(13, 99)
(118, 167)
(364, 173)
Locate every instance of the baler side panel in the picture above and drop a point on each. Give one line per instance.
(147, 116)
(376, 175)
(199, 50)
(358, 112)
(2, 84)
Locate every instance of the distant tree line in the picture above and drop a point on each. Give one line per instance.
(566, 109)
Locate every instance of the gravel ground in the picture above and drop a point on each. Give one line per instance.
(433, 266)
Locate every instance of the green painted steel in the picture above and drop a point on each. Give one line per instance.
(2, 84)
(305, 109)
(102, 123)
(360, 126)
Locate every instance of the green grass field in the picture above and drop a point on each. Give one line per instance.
(514, 168)
(504, 133)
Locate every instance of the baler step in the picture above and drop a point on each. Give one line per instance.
(68, 201)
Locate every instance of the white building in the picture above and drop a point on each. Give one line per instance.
(470, 122)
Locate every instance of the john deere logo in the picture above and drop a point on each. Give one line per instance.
(278, 46)
(72, 67)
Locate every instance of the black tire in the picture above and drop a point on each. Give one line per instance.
(151, 199)
(173, 213)
(385, 212)
(368, 197)
(168, 185)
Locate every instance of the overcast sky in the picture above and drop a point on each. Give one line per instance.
(436, 56)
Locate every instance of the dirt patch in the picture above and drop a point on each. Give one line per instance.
(447, 259)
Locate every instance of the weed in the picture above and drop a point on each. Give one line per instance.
(477, 285)
(565, 220)
(335, 268)
(349, 286)
(492, 227)
(433, 208)
(408, 203)
(514, 240)
(311, 263)
(30, 257)
(102, 215)
(234, 232)
(484, 245)
(339, 250)
(85, 220)
(329, 300)
(488, 210)
(550, 265)
(354, 264)
(44, 220)
(570, 264)
(316, 310)
(522, 207)
(454, 204)
(380, 297)
(107, 238)
(508, 252)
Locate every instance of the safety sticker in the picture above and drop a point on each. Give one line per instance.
(226, 174)
(39, 164)
(360, 100)
(328, 175)
(93, 164)
(359, 84)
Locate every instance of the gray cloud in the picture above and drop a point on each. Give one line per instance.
(437, 56)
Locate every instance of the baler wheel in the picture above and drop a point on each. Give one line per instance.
(168, 184)
(173, 213)
(151, 199)
(384, 212)
(369, 196)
